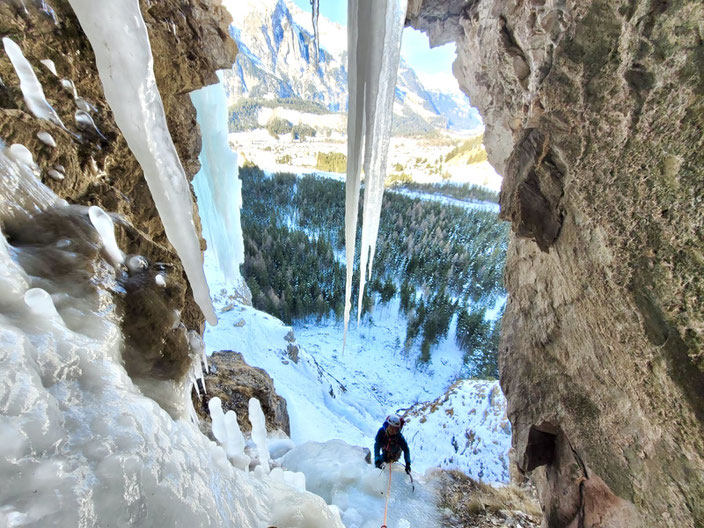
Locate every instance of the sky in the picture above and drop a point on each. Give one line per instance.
(433, 66)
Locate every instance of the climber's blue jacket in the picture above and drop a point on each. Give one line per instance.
(387, 448)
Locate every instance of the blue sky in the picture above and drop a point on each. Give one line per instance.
(414, 47)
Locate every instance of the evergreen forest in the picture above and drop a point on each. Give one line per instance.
(441, 262)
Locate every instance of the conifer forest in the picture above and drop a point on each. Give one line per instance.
(439, 261)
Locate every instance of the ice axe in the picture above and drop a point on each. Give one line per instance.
(413, 486)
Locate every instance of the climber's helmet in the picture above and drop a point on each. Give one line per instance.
(395, 423)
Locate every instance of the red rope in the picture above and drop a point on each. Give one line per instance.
(388, 492)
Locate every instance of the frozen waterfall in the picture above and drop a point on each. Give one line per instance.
(374, 47)
(217, 186)
(123, 55)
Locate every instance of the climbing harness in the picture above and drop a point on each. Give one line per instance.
(388, 492)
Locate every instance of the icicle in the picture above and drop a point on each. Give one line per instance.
(125, 63)
(256, 418)
(105, 228)
(374, 44)
(29, 84)
(315, 7)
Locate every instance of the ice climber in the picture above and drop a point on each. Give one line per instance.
(390, 442)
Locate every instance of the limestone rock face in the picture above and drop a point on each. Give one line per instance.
(594, 114)
(189, 42)
(235, 382)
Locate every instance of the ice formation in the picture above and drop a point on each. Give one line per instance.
(81, 444)
(55, 175)
(315, 5)
(256, 418)
(29, 84)
(68, 85)
(50, 66)
(124, 59)
(40, 303)
(228, 434)
(46, 138)
(85, 122)
(105, 228)
(374, 44)
(137, 263)
(21, 154)
(217, 186)
(339, 473)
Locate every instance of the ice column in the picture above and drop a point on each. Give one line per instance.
(227, 432)
(123, 55)
(217, 186)
(256, 418)
(374, 47)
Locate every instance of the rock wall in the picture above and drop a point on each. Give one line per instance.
(594, 114)
(232, 380)
(189, 42)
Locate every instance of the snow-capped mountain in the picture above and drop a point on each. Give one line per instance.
(276, 55)
(276, 60)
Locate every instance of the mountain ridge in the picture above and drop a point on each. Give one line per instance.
(276, 61)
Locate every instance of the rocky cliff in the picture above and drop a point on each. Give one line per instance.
(593, 113)
(189, 42)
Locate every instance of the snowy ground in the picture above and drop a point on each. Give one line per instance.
(419, 158)
(336, 395)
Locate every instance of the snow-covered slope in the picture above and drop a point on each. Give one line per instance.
(346, 396)
(466, 428)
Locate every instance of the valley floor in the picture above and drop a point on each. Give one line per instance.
(421, 158)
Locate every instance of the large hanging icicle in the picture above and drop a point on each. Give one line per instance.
(217, 186)
(315, 8)
(374, 47)
(123, 55)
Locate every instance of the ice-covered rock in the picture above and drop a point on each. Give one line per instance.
(131, 90)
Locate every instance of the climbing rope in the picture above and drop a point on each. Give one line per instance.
(388, 492)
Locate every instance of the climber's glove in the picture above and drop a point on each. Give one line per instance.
(408, 468)
(379, 463)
